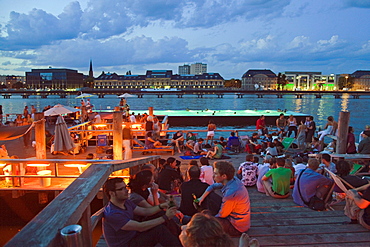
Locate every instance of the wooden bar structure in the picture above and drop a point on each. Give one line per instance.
(72, 206)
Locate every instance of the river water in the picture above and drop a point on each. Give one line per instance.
(320, 109)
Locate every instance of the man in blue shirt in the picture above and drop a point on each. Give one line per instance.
(234, 214)
(311, 183)
(120, 229)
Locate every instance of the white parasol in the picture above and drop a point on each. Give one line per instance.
(126, 95)
(59, 110)
(84, 95)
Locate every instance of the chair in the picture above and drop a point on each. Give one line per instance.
(356, 169)
(287, 142)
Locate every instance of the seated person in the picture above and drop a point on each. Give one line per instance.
(233, 140)
(358, 206)
(316, 145)
(234, 214)
(216, 153)
(190, 140)
(343, 170)
(326, 163)
(279, 146)
(150, 142)
(299, 166)
(139, 185)
(195, 188)
(205, 230)
(281, 178)
(97, 118)
(248, 171)
(170, 177)
(272, 150)
(177, 140)
(311, 183)
(198, 147)
(254, 146)
(268, 163)
(119, 227)
(222, 141)
(206, 171)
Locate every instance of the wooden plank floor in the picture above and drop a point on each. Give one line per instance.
(280, 222)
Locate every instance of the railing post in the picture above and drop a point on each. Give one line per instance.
(85, 222)
(343, 123)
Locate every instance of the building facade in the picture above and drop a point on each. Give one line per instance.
(198, 68)
(361, 80)
(54, 79)
(298, 80)
(259, 79)
(184, 69)
(159, 79)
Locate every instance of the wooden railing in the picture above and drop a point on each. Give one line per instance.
(72, 206)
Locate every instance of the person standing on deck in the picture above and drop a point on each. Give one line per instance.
(210, 131)
(364, 146)
(261, 126)
(281, 124)
(234, 214)
(126, 143)
(292, 126)
(310, 130)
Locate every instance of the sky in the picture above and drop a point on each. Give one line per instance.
(230, 36)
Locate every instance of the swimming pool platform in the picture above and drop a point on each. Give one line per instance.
(223, 117)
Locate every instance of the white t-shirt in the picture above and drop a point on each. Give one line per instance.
(132, 119)
(206, 174)
(298, 168)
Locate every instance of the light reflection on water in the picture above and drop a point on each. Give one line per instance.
(319, 108)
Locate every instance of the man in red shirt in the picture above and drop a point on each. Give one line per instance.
(261, 126)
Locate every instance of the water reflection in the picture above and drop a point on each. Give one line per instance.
(345, 102)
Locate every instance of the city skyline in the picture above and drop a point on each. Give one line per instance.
(229, 36)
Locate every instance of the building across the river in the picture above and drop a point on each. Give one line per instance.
(54, 79)
(159, 79)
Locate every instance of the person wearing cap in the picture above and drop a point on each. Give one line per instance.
(361, 137)
(364, 146)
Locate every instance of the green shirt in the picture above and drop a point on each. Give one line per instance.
(280, 179)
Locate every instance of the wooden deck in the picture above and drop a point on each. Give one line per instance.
(280, 222)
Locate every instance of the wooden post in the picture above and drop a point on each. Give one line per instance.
(343, 124)
(150, 109)
(40, 136)
(117, 108)
(117, 135)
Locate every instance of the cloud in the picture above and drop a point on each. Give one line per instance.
(357, 3)
(6, 63)
(29, 31)
(114, 52)
(209, 13)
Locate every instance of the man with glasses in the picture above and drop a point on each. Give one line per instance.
(120, 229)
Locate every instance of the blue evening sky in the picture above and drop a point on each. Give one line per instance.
(231, 36)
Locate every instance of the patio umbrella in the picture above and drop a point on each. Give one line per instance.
(84, 95)
(126, 95)
(62, 139)
(59, 110)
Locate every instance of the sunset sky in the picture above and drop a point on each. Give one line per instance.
(231, 36)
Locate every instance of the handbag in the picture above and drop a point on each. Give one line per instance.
(314, 203)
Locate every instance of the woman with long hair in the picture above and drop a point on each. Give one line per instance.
(142, 187)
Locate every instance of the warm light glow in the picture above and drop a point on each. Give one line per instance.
(100, 125)
(38, 165)
(75, 165)
(2, 164)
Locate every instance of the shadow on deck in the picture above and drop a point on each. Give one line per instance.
(280, 222)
